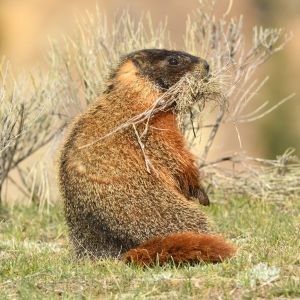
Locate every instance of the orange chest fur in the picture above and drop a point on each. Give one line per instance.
(165, 131)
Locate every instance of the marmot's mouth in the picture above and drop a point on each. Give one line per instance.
(204, 76)
(195, 88)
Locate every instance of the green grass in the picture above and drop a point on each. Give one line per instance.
(37, 263)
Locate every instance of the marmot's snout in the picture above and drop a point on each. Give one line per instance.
(202, 68)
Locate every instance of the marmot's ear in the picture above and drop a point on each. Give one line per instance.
(140, 59)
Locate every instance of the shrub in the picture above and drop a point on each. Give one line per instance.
(35, 107)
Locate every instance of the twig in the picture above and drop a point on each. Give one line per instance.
(142, 146)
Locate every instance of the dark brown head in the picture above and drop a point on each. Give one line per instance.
(165, 67)
(161, 67)
(149, 73)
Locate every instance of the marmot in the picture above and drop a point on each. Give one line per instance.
(113, 205)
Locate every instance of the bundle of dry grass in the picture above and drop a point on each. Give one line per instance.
(191, 90)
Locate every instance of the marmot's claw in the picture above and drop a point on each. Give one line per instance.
(199, 194)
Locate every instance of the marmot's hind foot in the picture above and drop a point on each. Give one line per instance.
(185, 247)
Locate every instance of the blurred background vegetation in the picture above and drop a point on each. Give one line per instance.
(25, 26)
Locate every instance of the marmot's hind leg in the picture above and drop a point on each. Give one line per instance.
(185, 247)
(88, 239)
(95, 247)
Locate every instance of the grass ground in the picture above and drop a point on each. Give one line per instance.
(36, 262)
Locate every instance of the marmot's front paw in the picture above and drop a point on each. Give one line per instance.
(199, 194)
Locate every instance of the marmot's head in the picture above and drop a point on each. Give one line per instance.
(163, 68)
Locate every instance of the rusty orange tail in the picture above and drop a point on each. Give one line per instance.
(184, 247)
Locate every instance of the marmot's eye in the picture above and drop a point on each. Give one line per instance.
(173, 61)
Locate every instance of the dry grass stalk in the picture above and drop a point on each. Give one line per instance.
(275, 180)
(28, 122)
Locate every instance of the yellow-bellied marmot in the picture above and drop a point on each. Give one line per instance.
(113, 205)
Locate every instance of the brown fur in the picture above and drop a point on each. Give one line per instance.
(112, 204)
(184, 247)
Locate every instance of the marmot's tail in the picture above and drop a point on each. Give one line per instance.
(184, 247)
